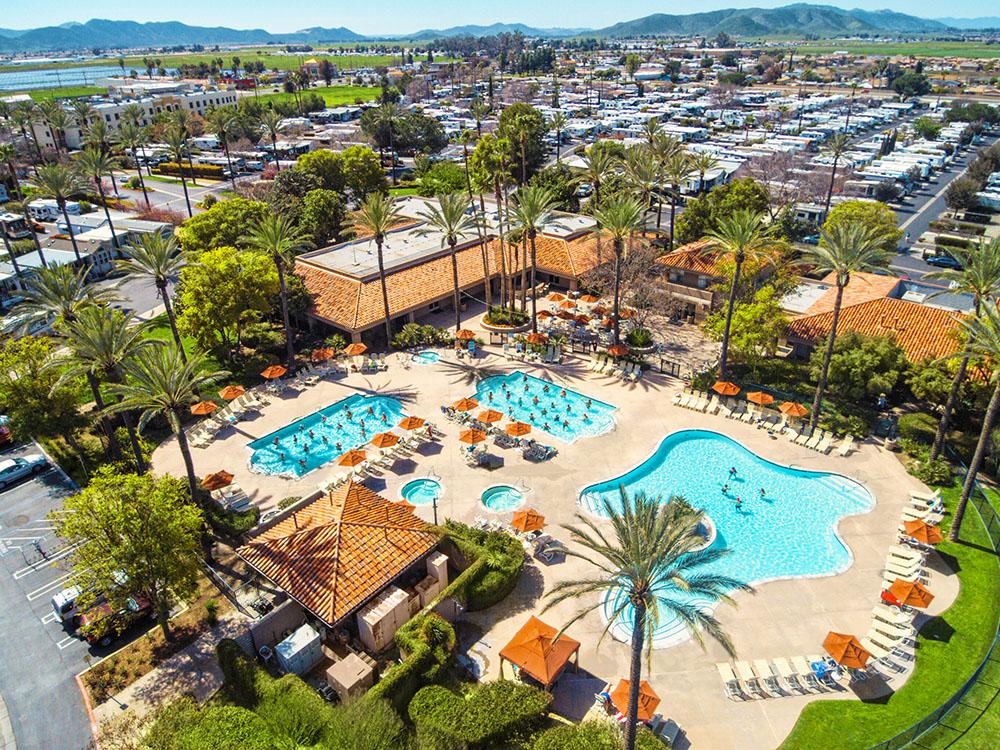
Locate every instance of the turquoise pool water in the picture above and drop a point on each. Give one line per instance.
(349, 423)
(788, 531)
(426, 357)
(543, 405)
(421, 491)
(501, 498)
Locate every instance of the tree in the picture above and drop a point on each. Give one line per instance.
(632, 63)
(159, 383)
(861, 366)
(837, 147)
(61, 183)
(557, 125)
(911, 84)
(979, 278)
(224, 122)
(380, 125)
(619, 218)
(598, 165)
(132, 137)
(925, 127)
(157, 259)
(847, 248)
(704, 213)
(650, 567)
(757, 326)
(532, 211)
(449, 219)
(524, 128)
(176, 141)
(223, 225)
(55, 295)
(676, 168)
(377, 215)
(961, 194)
(558, 179)
(136, 527)
(442, 178)
(321, 216)
(740, 236)
(324, 165)
(96, 163)
(878, 217)
(363, 173)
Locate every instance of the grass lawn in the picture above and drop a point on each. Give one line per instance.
(918, 48)
(66, 92)
(951, 647)
(333, 95)
(404, 190)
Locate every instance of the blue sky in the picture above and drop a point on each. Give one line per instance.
(397, 16)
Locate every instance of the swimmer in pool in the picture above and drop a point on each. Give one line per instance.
(302, 463)
(338, 446)
(371, 410)
(563, 393)
(305, 448)
(535, 400)
(326, 440)
(302, 428)
(340, 426)
(275, 441)
(348, 413)
(546, 427)
(384, 419)
(739, 502)
(311, 435)
(732, 471)
(725, 489)
(545, 389)
(322, 418)
(295, 439)
(763, 493)
(490, 397)
(586, 417)
(566, 423)
(281, 456)
(569, 409)
(589, 403)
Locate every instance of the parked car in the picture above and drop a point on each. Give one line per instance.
(944, 261)
(64, 604)
(102, 626)
(15, 469)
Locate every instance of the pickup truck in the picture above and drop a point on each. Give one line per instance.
(102, 626)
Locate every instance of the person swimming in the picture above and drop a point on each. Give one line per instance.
(275, 441)
(302, 463)
(589, 403)
(490, 397)
(302, 428)
(732, 471)
(566, 423)
(586, 417)
(338, 446)
(763, 493)
(739, 501)
(326, 440)
(384, 418)
(569, 408)
(305, 448)
(371, 410)
(348, 413)
(563, 393)
(725, 489)
(322, 418)
(535, 400)
(545, 388)
(281, 456)
(311, 435)
(295, 439)
(340, 426)
(546, 427)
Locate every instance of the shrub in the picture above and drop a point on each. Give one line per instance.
(501, 316)
(639, 338)
(335, 341)
(592, 735)
(245, 682)
(133, 183)
(918, 427)
(211, 612)
(414, 334)
(294, 713)
(198, 170)
(936, 472)
(428, 642)
(497, 559)
(943, 240)
(288, 502)
(231, 523)
(225, 726)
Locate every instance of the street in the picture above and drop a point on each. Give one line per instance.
(170, 195)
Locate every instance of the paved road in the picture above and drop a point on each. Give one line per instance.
(170, 195)
(138, 295)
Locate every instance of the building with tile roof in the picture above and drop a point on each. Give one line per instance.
(336, 553)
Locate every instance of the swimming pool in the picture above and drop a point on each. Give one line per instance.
(542, 404)
(788, 531)
(422, 491)
(502, 498)
(349, 423)
(426, 357)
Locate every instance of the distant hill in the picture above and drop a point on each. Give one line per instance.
(972, 24)
(496, 28)
(822, 20)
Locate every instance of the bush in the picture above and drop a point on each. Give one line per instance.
(245, 682)
(501, 316)
(133, 183)
(500, 559)
(428, 642)
(211, 612)
(640, 338)
(918, 427)
(861, 366)
(414, 334)
(198, 170)
(592, 735)
(946, 241)
(288, 502)
(224, 726)
(937, 472)
(233, 524)
(294, 713)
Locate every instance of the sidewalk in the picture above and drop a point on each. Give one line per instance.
(6, 731)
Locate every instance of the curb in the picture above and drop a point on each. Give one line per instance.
(91, 717)
(7, 741)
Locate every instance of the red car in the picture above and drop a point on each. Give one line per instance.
(102, 626)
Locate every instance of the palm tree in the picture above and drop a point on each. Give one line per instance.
(465, 138)
(158, 259)
(450, 219)
(98, 343)
(740, 236)
(18, 273)
(23, 115)
(56, 119)
(177, 144)
(96, 163)
(643, 173)
(159, 383)
(676, 168)
(983, 333)
(651, 130)
(223, 121)
(979, 278)
(57, 294)
(650, 567)
(479, 110)
(60, 182)
(838, 145)
(844, 249)
(703, 163)
(132, 137)
(271, 122)
(598, 164)
(83, 112)
(557, 125)
(377, 215)
(387, 115)
(532, 211)
(619, 218)
(279, 237)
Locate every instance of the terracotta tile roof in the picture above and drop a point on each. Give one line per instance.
(692, 257)
(920, 330)
(572, 258)
(338, 551)
(862, 287)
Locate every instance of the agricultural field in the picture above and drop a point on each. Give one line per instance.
(66, 92)
(928, 48)
(334, 96)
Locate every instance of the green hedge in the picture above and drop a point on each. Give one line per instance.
(225, 726)
(947, 241)
(245, 683)
(501, 560)
(593, 735)
(428, 642)
(198, 170)
(232, 524)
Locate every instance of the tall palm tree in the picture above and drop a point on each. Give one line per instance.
(158, 259)
(979, 277)
(557, 125)
(96, 163)
(24, 115)
(279, 237)
(18, 273)
(643, 173)
(83, 113)
(598, 164)
(387, 115)
(703, 163)
(450, 219)
(271, 123)
(177, 145)
(377, 215)
(223, 122)
(58, 294)
(479, 110)
(465, 138)
(132, 137)
(984, 334)
(159, 383)
(741, 236)
(836, 148)
(844, 249)
(650, 568)
(98, 343)
(61, 183)
(651, 130)
(619, 218)
(676, 168)
(531, 212)
(56, 119)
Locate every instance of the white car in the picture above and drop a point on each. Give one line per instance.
(13, 469)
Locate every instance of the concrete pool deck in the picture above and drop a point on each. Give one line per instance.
(783, 619)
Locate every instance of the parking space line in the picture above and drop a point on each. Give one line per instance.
(58, 583)
(27, 570)
(67, 642)
(50, 617)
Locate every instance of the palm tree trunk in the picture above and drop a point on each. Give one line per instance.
(617, 290)
(187, 198)
(169, 309)
(977, 460)
(69, 228)
(729, 321)
(163, 620)
(289, 341)
(10, 254)
(229, 161)
(635, 674)
(504, 279)
(825, 370)
(107, 213)
(274, 148)
(833, 178)
(534, 286)
(34, 234)
(182, 443)
(524, 274)
(454, 279)
(385, 291)
(673, 214)
(142, 182)
(949, 407)
(392, 153)
(114, 450)
(488, 285)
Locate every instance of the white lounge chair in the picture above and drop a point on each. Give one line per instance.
(749, 679)
(825, 443)
(814, 441)
(768, 676)
(805, 673)
(847, 446)
(733, 689)
(789, 677)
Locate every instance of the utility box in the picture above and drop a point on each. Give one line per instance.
(301, 651)
(379, 621)
(350, 677)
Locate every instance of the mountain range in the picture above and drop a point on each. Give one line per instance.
(972, 24)
(819, 20)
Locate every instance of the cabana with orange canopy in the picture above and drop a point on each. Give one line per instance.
(465, 404)
(203, 408)
(648, 699)
(232, 391)
(353, 458)
(922, 531)
(618, 350)
(536, 338)
(911, 593)
(760, 398)
(472, 436)
(385, 440)
(411, 423)
(518, 429)
(322, 354)
(274, 371)
(490, 416)
(217, 481)
(535, 651)
(793, 409)
(355, 349)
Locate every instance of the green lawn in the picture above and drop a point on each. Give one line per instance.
(333, 95)
(400, 190)
(66, 92)
(918, 48)
(951, 647)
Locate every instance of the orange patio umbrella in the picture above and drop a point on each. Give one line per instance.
(582, 319)
(556, 297)
(725, 388)
(472, 436)
(567, 305)
(761, 398)
(545, 314)
(599, 310)
(352, 458)
(490, 416)
(203, 408)
(274, 371)
(232, 391)
(565, 315)
(217, 481)
(588, 299)
(536, 338)
(465, 404)
(411, 423)
(322, 354)
(626, 313)
(607, 322)
(528, 520)
(404, 503)
(648, 699)
(354, 350)
(923, 532)
(465, 334)
(846, 650)
(618, 350)
(517, 429)
(793, 409)
(912, 593)
(385, 440)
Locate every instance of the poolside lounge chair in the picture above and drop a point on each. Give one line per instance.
(847, 446)
(825, 443)
(769, 678)
(713, 404)
(725, 409)
(896, 647)
(749, 679)
(667, 729)
(789, 678)
(814, 441)
(904, 554)
(805, 674)
(733, 689)
(802, 437)
(750, 415)
(927, 497)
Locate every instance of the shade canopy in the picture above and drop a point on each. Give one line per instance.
(793, 409)
(648, 699)
(204, 407)
(911, 593)
(545, 314)
(725, 388)
(353, 350)
(274, 371)
(385, 440)
(759, 397)
(536, 338)
(465, 334)
(566, 315)
(322, 354)
(352, 458)
(535, 650)
(618, 350)
(567, 304)
(588, 299)
(599, 310)
(465, 404)
(411, 423)
(582, 319)
(472, 436)
(490, 416)
(528, 520)
(232, 391)
(846, 650)
(217, 481)
(517, 429)
(556, 297)
(922, 531)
